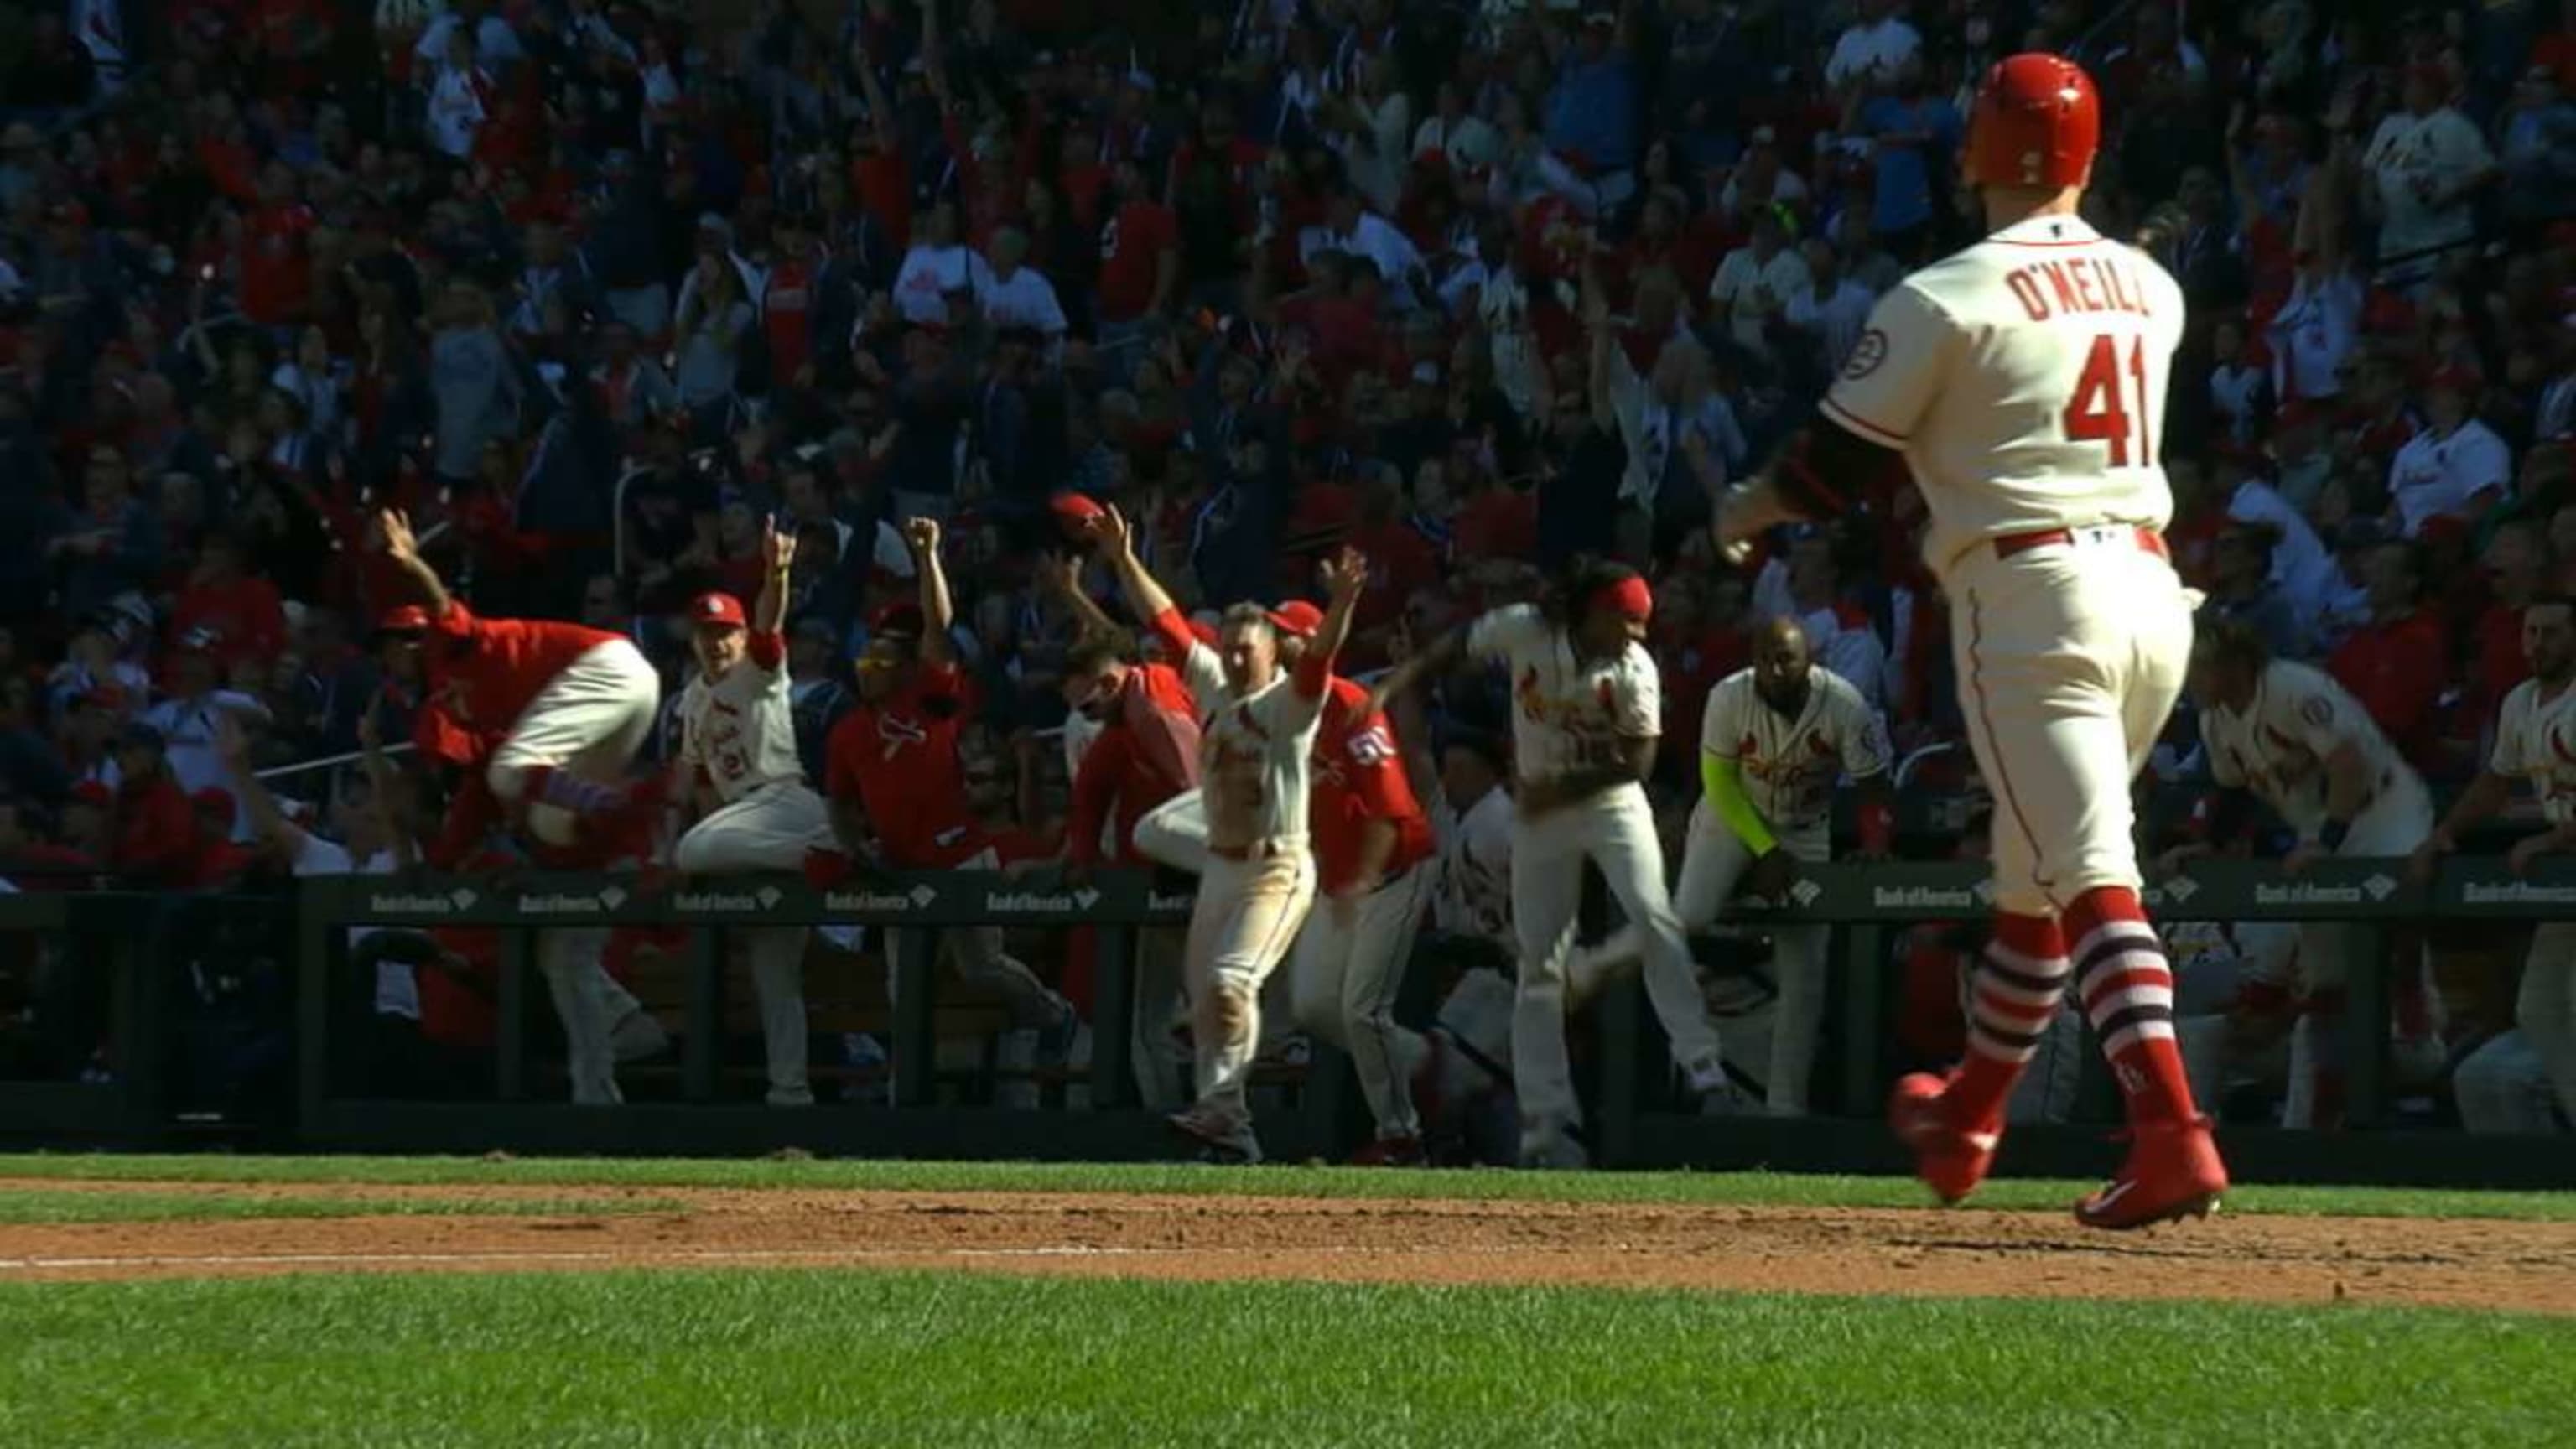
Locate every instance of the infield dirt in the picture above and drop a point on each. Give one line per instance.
(2441, 1262)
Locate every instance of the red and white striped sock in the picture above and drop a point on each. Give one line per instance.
(2127, 987)
(2011, 999)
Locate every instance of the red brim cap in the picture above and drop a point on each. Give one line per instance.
(403, 619)
(1297, 617)
(716, 611)
(1074, 512)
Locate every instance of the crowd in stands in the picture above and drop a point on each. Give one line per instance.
(592, 289)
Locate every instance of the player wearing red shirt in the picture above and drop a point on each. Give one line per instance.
(1373, 843)
(570, 705)
(898, 795)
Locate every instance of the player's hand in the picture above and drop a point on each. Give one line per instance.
(2301, 856)
(1111, 533)
(1772, 875)
(2427, 859)
(2525, 851)
(777, 548)
(921, 535)
(1743, 513)
(1346, 575)
(394, 535)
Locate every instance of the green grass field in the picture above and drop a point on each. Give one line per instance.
(775, 1357)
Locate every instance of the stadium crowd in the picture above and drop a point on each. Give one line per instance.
(591, 291)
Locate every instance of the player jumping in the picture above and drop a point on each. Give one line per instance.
(2023, 383)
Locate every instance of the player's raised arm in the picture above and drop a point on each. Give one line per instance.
(1345, 578)
(938, 611)
(395, 540)
(777, 568)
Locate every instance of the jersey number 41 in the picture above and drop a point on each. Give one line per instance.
(2099, 412)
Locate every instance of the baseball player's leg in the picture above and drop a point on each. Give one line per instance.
(582, 991)
(1316, 968)
(1712, 861)
(1159, 953)
(568, 750)
(1384, 1054)
(1251, 928)
(1175, 833)
(1798, 970)
(1632, 860)
(767, 830)
(2545, 1008)
(1547, 891)
(2503, 1088)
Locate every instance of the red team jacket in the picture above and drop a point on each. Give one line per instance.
(1359, 777)
(483, 672)
(899, 760)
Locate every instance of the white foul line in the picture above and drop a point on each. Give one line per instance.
(629, 1257)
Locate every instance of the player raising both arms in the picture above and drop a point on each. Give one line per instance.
(738, 745)
(570, 706)
(2022, 381)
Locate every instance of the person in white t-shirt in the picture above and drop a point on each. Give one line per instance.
(1831, 310)
(2456, 468)
(1875, 46)
(196, 709)
(935, 267)
(1011, 294)
(1755, 281)
(2424, 166)
(738, 749)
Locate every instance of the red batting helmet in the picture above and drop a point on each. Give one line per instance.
(2037, 123)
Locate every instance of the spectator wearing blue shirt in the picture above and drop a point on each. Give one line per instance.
(1912, 135)
(1591, 120)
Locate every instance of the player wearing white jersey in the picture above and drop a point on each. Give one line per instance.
(1587, 709)
(1774, 740)
(2021, 381)
(2288, 735)
(2536, 739)
(738, 747)
(1255, 754)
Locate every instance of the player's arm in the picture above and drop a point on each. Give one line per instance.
(848, 807)
(1061, 576)
(777, 571)
(266, 821)
(393, 818)
(1145, 594)
(938, 611)
(2481, 802)
(402, 550)
(1823, 471)
(1345, 578)
(1721, 783)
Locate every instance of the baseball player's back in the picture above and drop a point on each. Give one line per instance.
(2023, 378)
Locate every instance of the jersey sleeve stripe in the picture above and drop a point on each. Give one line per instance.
(1863, 426)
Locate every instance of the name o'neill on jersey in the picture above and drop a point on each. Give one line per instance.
(2075, 286)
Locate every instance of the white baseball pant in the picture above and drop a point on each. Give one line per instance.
(2392, 825)
(2069, 659)
(588, 721)
(1349, 964)
(1713, 862)
(981, 960)
(1246, 917)
(2545, 1009)
(588, 1001)
(2503, 1087)
(768, 829)
(1616, 831)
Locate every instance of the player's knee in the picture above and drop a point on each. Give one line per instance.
(507, 781)
(692, 854)
(1232, 1001)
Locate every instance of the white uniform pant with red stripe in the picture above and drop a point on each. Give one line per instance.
(2069, 657)
(589, 720)
(769, 829)
(1349, 965)
(1246, 917)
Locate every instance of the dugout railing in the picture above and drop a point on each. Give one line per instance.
(1636, 1121)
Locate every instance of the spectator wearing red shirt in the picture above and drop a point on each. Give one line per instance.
(276, 265)
(787, 301)
(897, 787)
(1140, 267)
(238, 609)
(154, 827)
(221, 860)
(2397, 662)
(29, 862)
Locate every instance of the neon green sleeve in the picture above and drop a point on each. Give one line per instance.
(1723, 782)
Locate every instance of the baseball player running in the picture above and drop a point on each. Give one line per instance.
(1375, 862)
(1587, 709)
(898, 792)
(2535, 738)
(1255, 756)
(2286, 734)
(572, 704)
(2022, 381)
(1774, 741)
(738, 744)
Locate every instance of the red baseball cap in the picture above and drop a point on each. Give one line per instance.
(717, 611)
(1074, 512)
(1297, 617)
(403, 619)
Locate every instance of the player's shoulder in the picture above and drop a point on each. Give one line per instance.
(1346, 694)
(2307, 691)
(1841, 695)
(1733, 689)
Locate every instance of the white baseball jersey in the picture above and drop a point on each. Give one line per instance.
(2024, 380)
(1254, 755)
(1790, 764)
(2278, 746)
(1475, 896)
(2536, 737)
(740, 731)
(1567, 713)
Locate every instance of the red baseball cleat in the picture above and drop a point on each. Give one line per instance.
(1950, 1160)
(2173, 1172)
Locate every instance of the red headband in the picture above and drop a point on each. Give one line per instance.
(1629, 598)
